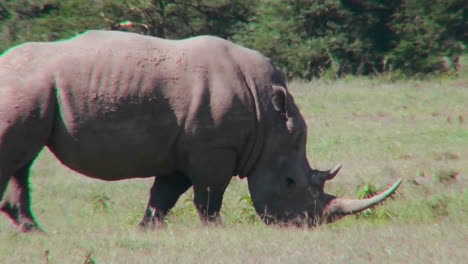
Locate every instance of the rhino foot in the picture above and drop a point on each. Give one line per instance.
(151, 220)
(151, 225)
(29, 227)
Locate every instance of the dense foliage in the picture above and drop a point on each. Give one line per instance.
(306, 38)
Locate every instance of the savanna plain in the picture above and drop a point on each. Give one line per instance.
(380, 131)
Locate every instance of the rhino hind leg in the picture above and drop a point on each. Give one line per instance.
(16, 203)
(164, 194)
(4, 179)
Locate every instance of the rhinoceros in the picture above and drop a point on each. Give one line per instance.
(190, 113)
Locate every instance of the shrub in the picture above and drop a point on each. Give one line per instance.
(333, 38)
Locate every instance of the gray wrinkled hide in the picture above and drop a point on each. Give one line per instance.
(114, 105)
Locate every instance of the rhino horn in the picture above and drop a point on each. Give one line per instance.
(328, 174)
(339, 207)
(333, 172)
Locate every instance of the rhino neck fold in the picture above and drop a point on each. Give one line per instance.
(251, 153)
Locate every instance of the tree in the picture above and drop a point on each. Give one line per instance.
(430, 37)
(181, 18)
(305, 38)
(313, 38)
(49, 20)
(46, 20)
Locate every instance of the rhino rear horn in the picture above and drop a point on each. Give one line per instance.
(333, 172)
(328, 174)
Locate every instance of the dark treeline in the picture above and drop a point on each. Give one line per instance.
(306, 38)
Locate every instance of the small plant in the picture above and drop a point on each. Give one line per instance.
(445, 176)
(446, 156)
(247, 199)
(102, 202)
(185, 207)
(132, 218)
(367, 190)
(89, 258)
(47, 257)
(375, 214)
(247, 212)
(439, 205)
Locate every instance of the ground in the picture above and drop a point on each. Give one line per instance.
(380, 130)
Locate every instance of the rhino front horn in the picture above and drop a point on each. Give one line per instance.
(339, 207)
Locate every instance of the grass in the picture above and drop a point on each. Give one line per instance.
(380, 131)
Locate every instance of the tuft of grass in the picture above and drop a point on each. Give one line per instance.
(89, 258)
(247, 212)
(378, 214)
(47, 257)
(368, 190)
(445, 176)
(446, 156)
(102, 203)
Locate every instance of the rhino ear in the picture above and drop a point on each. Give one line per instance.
(279, 99)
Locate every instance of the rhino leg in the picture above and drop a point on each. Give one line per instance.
(17, 201)
(208, 203)
(211, 176)
(4, 179)
(164, 194)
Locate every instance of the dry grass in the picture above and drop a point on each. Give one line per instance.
(379, 131)
(428, 243)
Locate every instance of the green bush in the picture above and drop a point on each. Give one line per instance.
(305, 38)
(46, 20)
(333, 38)
(430, 37)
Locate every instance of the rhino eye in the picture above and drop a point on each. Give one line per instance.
(290, 182)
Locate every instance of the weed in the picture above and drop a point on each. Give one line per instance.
(47, 256)
(186, 206)
(446, 156)
(376, 214)
(102, 202)
(89, 258)
(247, 211)
(439, 205)
(247, 199)
(368, 190)
(133, 218)
(445, 176)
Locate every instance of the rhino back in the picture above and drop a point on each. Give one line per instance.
(135, 106)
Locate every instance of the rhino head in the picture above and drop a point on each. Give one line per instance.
(283, 186)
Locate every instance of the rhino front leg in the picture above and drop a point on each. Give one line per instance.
(211, 177)
(17, 201)
(164, 194)
(208, 202)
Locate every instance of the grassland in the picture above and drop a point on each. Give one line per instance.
(380, 131)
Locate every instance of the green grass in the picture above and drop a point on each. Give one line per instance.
(380, 131)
